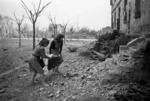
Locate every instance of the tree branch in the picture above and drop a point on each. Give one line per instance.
(22, 19)
(39, 6)
(51, 20)
(16, 19)
(27, 11)
(42, 8)
(32, 16)
(25, 6)
(64, 25)
(34, 7)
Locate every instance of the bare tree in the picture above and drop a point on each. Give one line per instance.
(33, 15)
(71, 30)
(25, 30)
(54, 25)
(64, 26)
(19, 22)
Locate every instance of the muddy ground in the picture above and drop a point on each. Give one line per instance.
(82, 78)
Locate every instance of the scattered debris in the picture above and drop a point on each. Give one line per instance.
(2, 91)
(5, 49)
(72, 49)
(109, 43)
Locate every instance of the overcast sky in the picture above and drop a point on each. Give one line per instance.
(94, 14)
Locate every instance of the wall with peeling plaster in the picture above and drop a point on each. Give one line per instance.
(131, 25)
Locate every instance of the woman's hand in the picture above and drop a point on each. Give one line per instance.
(55, 55)
(50, 56)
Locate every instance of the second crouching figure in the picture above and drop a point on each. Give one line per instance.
(56, 49)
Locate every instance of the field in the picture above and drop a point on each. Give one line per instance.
(12, 56)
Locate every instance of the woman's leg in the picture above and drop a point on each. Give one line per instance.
(43, 81)
(33, 77)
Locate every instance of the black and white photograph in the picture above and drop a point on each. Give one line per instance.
(74, 50)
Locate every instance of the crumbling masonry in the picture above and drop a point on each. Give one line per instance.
(131, 16)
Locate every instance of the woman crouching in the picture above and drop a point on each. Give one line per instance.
(56, 49)
(36, 62)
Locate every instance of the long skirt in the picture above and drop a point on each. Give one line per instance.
(54, 62)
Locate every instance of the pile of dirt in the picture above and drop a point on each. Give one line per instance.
(109, 43)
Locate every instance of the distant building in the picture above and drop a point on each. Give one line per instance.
(106, 30)
(6, 27)
(131, 16)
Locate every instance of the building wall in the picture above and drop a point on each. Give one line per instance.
(133, 20)
(6, 27)
(117, 13)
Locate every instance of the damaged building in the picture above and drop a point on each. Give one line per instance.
(131, 16)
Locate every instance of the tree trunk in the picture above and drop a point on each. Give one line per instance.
(64, 37)
(54, 32)
(33, 35)
(19, 35)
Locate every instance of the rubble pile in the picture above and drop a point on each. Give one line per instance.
(129, 72)
(109, 43)
(72, 49)
(139, 85)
